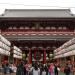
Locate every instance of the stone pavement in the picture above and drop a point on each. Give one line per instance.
(7, 74)
(61, 73)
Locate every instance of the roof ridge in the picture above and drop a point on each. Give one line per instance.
(36, 9)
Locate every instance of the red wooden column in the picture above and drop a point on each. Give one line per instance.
(44, 57)
(30, 57)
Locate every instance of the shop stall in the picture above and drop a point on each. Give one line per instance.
(17, 54)
(4, 49)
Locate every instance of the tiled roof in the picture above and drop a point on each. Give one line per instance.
(38, 13)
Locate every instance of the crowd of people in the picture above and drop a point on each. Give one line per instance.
(36, 69)
(42, 69)
(8, 68)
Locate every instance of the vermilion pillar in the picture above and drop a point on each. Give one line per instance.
(30, 57)
(44, 56)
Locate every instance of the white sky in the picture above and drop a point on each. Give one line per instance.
(36, 4)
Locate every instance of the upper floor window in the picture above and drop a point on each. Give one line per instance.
(33, 28)
(64, 28)
(41, 28)
(27, 28)
(14, 27)
(48, 28)
(10, 28)
(60, 28)
(37, 26)
(21, 27)
(53, 28)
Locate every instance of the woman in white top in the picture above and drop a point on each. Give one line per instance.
(43, 70)
(36, 70)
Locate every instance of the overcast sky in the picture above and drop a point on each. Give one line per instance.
(36, 4)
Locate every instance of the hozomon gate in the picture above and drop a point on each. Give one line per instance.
(37, 32)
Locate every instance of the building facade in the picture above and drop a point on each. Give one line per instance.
(37, 32)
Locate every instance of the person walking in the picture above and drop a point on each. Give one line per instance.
(56, 69)
(46, 69)
(51, 69)
(67, 70)
(43, 71)
(36, 70)
(7, 69)
(20, 69)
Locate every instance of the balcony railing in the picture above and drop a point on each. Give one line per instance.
(42, 32)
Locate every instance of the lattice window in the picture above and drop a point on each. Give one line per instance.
(14, 27)
(60, 28)
(41, 28)
(48, 28)
(33, 28)
(53, 28)
(21, 27)
(10, 28)
(64, 28)
(27, 28)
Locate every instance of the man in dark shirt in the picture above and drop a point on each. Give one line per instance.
(67, 70)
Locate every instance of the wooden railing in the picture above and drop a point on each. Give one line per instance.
(53, 30)
(42, 32)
